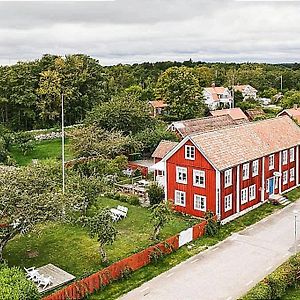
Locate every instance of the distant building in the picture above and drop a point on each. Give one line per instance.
(255, 113)
(186, 127)
(293, 113)
(235, 113)
(247, 91)
(157, 107)
(215, 97)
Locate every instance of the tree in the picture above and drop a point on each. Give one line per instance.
(205, 76)
(212, 226)
(15, 286)
(101, 227)
(155, 194)
(181, 90)
(238, 97)
(124, 112)
(160, 216)
(290, 99)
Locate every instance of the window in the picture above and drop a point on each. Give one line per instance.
(267, 186)
(181, 175)
(228, 178)
(199, 202)
(255, 168)
(285, 177)
(189, 152)
(199, 178)
(292, 154)
(252, 192)
(228, 202)
(284, 157)
(244, 196)
(271, 162)
(292, 174)
(245, 171)
(179, 198)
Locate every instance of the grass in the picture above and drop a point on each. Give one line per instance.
(292, 293)
(69, 246)
(50, 149)
(118, 288)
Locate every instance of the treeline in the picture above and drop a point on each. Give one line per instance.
(30, 92)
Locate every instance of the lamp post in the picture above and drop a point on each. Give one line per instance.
(295, 231)
(63, 143)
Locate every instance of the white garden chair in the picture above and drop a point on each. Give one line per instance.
(32, 274)
(123, 210)
(44, 281)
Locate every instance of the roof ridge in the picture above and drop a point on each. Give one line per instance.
(202, 118)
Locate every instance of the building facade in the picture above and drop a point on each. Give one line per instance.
(233, 170)
(215, 97)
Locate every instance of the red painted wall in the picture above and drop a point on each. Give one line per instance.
(200, 163)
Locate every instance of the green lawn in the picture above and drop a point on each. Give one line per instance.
(116, 289)
(50, 149)
(69, 246)
(292, 293)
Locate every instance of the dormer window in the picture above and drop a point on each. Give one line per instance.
(189, 152)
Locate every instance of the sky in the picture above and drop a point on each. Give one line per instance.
(131, 31)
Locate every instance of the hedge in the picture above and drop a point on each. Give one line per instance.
(275, 284)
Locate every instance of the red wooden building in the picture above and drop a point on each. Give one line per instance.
(233, 170)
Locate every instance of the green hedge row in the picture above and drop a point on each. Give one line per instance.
(275, 284)
(130, 199)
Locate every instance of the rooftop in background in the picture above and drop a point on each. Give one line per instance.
(228, 147)
(187, 127)
(242, 87)
(158, 103)
(163, 148)
(291, 112)
(235, 113)
(254, 113)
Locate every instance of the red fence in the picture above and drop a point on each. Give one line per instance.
(92, 283)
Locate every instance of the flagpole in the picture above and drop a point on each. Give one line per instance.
(63, 143)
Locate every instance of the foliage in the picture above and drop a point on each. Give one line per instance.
(15, 286)
(238, 97)
(94, 141)
(155, 194)
(160, 216)
(248, 104)
(156, 255)
(24, 142)
(130, 199)
(101, 227)
(290, 99)
(212, 226)
(181, 90)
(125, 113)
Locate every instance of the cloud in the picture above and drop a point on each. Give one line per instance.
(130, 31)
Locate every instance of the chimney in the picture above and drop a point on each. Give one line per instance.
(295, 106)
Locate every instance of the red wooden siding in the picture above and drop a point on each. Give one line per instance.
(200, 163)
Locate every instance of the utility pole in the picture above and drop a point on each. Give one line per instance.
(63, 143)
(281, 83)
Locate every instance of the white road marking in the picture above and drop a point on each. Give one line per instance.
(249, 282)
(194, 260)
(145, 289)
(214, 249)
(251, 228)
(269, 268)
(169, 275)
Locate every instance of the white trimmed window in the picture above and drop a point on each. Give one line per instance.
(284, 157)
(271, 162)
(267, 186)
(252, 192)
(292, 154)
(199, 202)
(285, 177)
(292, 174)
(189, 152)
(228, 202)
(228, 178)
(244, 195)
(179, 198)
(245, 171)
(199, 178)
(255, 165)
(181, 175)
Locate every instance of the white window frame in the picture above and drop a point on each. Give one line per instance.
(284, 157)
(228, 202)
(200, 174)
(202, 201)
(292, 154)
(271, 159)
(180, 170)
(244, 192)
(252, 192)
(245, 171)
(267, 185)
(292, 174)
(228, 178)
(255, 167)
(285, 177)
(182, 196)
(189, 152)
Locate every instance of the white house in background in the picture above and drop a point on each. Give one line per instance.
(217, 96)
(247, 90)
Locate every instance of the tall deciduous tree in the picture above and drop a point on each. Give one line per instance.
(180, 88)
(160, 216)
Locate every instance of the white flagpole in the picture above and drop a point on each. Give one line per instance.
(63, 143)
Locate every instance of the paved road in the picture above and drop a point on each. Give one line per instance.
(227, 270)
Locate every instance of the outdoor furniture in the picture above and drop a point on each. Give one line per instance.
(143, 182)
(32, 274)
(44, 281)
(119, 212)
(122, 210)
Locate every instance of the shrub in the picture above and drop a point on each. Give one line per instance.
(212, 226)
(15, 286)
(155, 194)
(261, 291)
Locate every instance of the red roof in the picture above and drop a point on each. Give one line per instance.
(163, 148)
(292, 112)
(235, 113)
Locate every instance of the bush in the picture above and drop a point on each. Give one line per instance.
(155, 194)
(130, 199)
(261, 291)
(15, 286)
(212, 226)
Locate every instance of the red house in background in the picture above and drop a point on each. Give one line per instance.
(232, 170)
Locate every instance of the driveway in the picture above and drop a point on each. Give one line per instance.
(229, 269)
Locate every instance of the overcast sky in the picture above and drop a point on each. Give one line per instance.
(128, 31)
